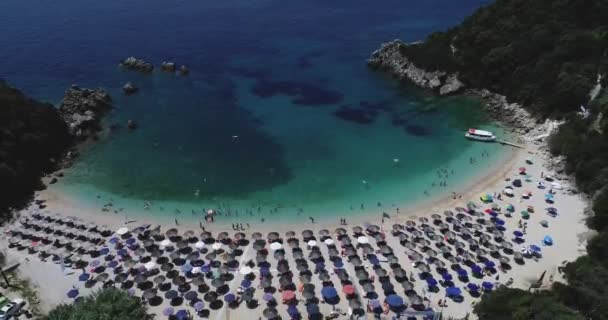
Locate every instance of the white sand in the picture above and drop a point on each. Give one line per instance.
(567, 229)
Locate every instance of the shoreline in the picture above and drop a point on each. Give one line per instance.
(60, 202)
(568, 230)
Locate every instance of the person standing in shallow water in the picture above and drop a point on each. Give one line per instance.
(312, 220)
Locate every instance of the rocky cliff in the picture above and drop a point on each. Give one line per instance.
(82, 109)
(390, 58)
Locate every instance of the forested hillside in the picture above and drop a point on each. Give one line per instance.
(32, 136)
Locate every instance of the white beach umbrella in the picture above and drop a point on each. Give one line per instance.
(210, 211)
(508, 191)
(196, 270)
(246, 270)
(275, 246)
(150, 265)
(312, 243)
(556, 185)
(122, 231)
(363, 240)
(165, 243)
(199, 245)
(216, 246)
(329, 242)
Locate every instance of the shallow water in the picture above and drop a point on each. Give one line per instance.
(279, 119)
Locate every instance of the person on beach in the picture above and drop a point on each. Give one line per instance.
(176, 223)
(312, 220)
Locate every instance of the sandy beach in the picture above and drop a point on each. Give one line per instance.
(567, 230)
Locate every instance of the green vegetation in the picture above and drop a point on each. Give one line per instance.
(105, 304)
(31, 135)
(546, 55)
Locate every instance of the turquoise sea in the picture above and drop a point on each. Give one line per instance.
(280, 118)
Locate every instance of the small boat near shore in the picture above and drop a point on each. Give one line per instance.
(480, 135)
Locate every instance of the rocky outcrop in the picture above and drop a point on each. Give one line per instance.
(167, 66)
(390, 58)
(82, 109)
(129, 88)
(183, 70)
(140, 65)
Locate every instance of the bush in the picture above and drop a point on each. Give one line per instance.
(105, 304)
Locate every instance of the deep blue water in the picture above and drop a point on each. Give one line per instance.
(316, 130)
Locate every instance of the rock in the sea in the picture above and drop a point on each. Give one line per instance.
(140, 65)
(390, 57)
(183, 70)
(82, 110)
(167, 66)
(131, 124)
(129, 88)
(53, 181)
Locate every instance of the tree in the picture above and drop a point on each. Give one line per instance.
(516, 304)
(105, 304)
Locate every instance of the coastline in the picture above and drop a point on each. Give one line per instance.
(568, 230)
(484, 177)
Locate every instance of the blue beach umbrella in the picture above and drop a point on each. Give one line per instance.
(229, 297)
(476, 269)
(394, 301)
(462, 273)
(518, 233)
(265, 271)
(535, 248)
(168, 311)
(122, 252)
(114, 240)
(453, 292)
(431, 282)
(245, 283)
(499, 222)
(473, 287)
(489, 264)
(198, 306)
(446, 276)
(329, 292)
(373, 259)
(494, 214)
(312, 309)
(205, 268)
(131, 241)
(104, 251)
(293, 312)
(487, 285)
(113, 264)
(181, 315)
(338, 264)
(73, 293)
(548, 240)
(268, 297)
(186, 267)
(84, 277)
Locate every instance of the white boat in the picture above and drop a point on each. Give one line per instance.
(481, 135)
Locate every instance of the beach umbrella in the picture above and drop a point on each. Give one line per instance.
(518, 233)
(487, 286)
(83, 277)
(73, 293)
(348, 289)
(270, 313)
(171, 294)
(275, 246)
(431, 282)
(362, 240)
(394, 301)
(198, 306)
(210, 296)
(230, 297)
(312, 243)
(473, 287)
(329, 293)
(122, 231)
(544, 223)
(535, 248)
(168, 311)
(328, 242)
(453, 292)
(547, 240)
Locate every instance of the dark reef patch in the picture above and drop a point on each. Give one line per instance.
(417, 130)
(302, 93)
(356, 115)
